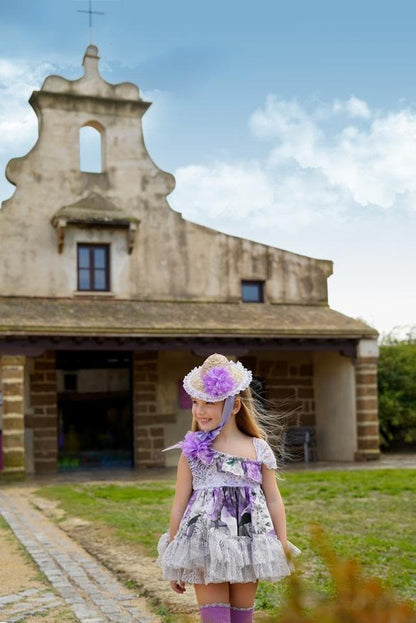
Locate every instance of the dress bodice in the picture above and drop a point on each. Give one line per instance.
(226, 470)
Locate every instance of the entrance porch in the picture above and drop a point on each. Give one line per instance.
(120, 402)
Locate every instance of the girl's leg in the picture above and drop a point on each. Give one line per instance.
(242, 602)
(214, 602)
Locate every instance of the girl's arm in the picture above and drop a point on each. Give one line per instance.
(275, 504)
(180, 501)
(182, 495)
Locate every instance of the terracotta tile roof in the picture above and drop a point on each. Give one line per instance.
(94, 316)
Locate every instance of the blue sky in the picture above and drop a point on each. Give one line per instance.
(293, 124)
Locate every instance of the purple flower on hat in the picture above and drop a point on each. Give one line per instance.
(218, 382)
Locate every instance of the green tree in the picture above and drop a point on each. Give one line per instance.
(397, 390)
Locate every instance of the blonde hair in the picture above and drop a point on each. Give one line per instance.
(249, 416)
(252, 419)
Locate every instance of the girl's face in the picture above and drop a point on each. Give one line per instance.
(207, 414)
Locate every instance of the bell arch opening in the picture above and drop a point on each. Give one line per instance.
(91, 148)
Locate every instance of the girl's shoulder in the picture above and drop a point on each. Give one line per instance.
(264, 453)
(242, 448)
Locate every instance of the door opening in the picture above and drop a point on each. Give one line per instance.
(95, 413)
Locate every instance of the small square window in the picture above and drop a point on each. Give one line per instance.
(93, 267)
(252, 291)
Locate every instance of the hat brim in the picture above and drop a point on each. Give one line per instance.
(193, 383)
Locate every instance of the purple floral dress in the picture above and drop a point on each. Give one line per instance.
(226, 533)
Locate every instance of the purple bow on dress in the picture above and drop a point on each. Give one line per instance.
(198, 445)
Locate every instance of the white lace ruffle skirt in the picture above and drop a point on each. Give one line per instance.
(232, 559)
(226, 535)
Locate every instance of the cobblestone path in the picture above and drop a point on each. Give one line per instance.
(93, 593)
(18, 606)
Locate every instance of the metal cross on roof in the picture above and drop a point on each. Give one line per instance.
(90, 13)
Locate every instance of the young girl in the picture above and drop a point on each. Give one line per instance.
(228, 527)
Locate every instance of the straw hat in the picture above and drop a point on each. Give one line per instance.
(217, 379)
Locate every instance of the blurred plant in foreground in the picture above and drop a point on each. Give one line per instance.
(355, 597)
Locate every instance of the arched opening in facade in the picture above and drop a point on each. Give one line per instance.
(91, 148)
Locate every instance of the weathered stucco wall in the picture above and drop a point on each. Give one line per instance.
(172, 259)
(334, 387)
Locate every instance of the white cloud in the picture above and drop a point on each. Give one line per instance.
(225, 188)
(373, 162)
(336, 180)
(316, 167)
(289, 124)
(353, 107)
(17, 81)
(267, 200)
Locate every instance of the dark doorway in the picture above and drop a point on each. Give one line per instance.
(95, 414)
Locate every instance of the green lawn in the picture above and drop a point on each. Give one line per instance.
(368, 515)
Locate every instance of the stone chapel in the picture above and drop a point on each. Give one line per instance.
(108, 297)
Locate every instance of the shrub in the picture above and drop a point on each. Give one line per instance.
(355, 598)
(397, 391)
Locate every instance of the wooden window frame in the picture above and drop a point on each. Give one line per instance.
(91, 247)
(252, 282)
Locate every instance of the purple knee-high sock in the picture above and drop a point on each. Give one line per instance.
(241, 615)
(215, 613)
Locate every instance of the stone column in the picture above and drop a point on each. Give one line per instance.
(368, 441)
(148, 424)
(44, 421)
(13, 368)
